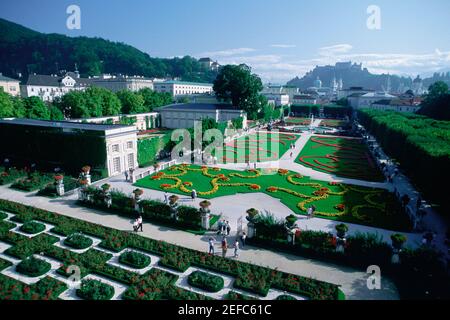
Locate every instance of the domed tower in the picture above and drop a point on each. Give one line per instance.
(417, 86)
(318, 83)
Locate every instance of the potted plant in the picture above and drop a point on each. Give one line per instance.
(205, 204)
(252, 214)
(86, 170)
(138, 193)
(204, 211)
(341, 230)
(156, 166)
(59, 179)
(105, 187)
(173, 199)
(398, 240)
(290, 221)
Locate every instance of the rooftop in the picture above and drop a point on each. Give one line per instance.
(55, 81)
(6, 79)
(65, 124)
(199, 106)
(185, 83)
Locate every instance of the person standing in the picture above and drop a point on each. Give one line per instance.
(236, 248)
(211, 246)
(310, 212)
(224, 247)
(291, 155)
(126, 175)
(254, 166)
(166, 198)
(243, 238)
(228, 228)
(140, 224)
(135, 225)
(193, 194)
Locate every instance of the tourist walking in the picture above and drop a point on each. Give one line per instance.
(309, 211)
(254, 166)
(126, 175)
(224, 247)
(211, 246)
(140, 224)
(291, 155)
(166, 198)
(243, 238)
(228, 228)
(193, 194)
(236, 248)
(135, 225)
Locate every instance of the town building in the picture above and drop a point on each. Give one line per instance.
(360, 100)
(399, 105)
(209, 64)
(277, 99)
(108, 149)
(304, 99)
(182, 88)
(277, 89)
(49, 87)
(122, 82)
(9, 85)
(345, 93)
(184, 115)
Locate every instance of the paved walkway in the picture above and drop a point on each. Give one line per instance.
(353, 281)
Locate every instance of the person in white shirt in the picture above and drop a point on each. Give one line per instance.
(236, 248)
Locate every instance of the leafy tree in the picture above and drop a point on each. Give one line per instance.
(153, 99)
(36, 108)
(437, 102)
(73, 105)
(19, 107)
(6, 105)
(131, 102)
(237, 84)
(55, 113)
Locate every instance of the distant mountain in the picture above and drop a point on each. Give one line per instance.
(355, 75)
(24, 51)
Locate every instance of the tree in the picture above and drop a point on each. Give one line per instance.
(36, 108)
(6, 105)
(131, 102)
(73, 105)
(153, 99)
(237, 84)
(55, 113)
(437, 102)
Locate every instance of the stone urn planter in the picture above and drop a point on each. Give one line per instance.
(205, 213)
(291, 228)
(156, 166)
(59, 183)
(82, 191)
(341, 231)
(173, 204)
(137, 198)
(86, 174)
(252, 216)
(398, 240)
(107, 194)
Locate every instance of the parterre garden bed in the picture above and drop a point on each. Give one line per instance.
(206, 281)
(344, 157)
(32, 227)
(154, 284)
(257, 147)
(95, 290)
(335, 201)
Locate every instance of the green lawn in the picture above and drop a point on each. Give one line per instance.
(361, 205)
(343, 157)
(257, 147)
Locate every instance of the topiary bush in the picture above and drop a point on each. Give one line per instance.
(285, 297)
(32, 227)
(95, 290)
(135, 259)
(33, 267)
(206, 281)
(78, 241)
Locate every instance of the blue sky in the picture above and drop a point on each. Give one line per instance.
(280, 39)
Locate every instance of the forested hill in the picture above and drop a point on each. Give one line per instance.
(25, 51)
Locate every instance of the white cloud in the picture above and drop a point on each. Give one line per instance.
(285, 46)
(227, 52)
(336, 49)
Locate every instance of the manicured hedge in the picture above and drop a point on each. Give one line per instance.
(153, 211)
(135, 259)
(3, 215)
(206, 281)
(420, 144)
(78, 241)
(95, 290)
(33, 267)
(285, 297)
(32, 227)
(149, 149)
(45, 289)
(250, 277)
(34, 182)
(11, 175)
(306, 110)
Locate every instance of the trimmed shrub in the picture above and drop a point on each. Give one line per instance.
(285, 297)
(205, 281)
(33, 267)
(95, 290)
(32, 227)
(78, 241)
(134, 259)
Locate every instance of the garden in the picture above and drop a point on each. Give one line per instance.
(333, 200)
(154, 284)
(344, 157)
(257, 147)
